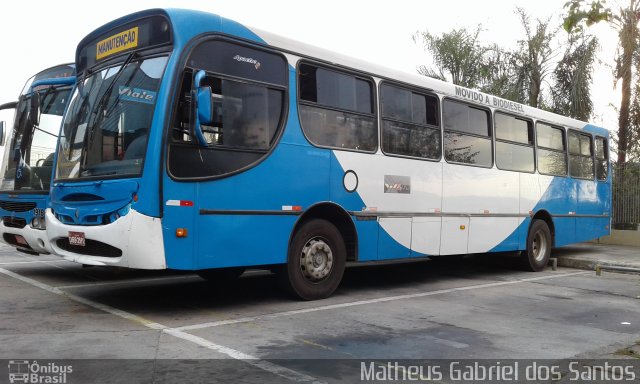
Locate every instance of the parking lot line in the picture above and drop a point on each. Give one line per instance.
(230, 352)
(269, 316)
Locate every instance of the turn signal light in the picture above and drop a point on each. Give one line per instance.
(181, 232)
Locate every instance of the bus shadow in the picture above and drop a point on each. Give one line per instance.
(180, 297)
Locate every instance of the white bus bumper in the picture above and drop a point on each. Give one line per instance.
(36, 238)
(138, 236)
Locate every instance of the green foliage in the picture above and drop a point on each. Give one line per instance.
(529, 75)
(582, 13)
(572, 78)
(579, 13)
(457, 56)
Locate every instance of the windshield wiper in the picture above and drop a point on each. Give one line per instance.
(105, 96)
(98, 116)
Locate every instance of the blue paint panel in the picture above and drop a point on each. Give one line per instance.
(242, 240)
(565, 230)
(367, 239)
(85, 203)
(41, 201)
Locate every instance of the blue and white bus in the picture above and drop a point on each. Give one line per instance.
(27, 163)
(193, 142)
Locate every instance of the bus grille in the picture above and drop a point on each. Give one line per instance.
(14, 222)
(16, 206)
(91, 248)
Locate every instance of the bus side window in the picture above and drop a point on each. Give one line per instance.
(551, 150)
(467, 134)
(514, 143)
(336, 109)
(248, 86)
(602, 158)
(410, 124)
(580, 155)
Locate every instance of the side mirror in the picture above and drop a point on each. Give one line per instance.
(2, 133)
(34, 109)
(203, 110)
(10, 105)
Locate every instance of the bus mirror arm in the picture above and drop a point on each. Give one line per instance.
(203, 113)
(1, 133)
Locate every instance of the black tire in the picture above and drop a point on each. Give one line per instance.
(221, 275)
(536, 257)
(316, 261)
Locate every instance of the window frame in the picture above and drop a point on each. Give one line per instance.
(422, 92)
(347, 71)
(532, 145)
(176, 86)
(592, 156)
(489, 124)
(565, 142)
(595, 157)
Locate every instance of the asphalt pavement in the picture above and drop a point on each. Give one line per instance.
(116, 325)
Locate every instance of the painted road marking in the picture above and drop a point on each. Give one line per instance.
(275, 315)
(232, 353)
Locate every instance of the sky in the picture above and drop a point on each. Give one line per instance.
(39, 34)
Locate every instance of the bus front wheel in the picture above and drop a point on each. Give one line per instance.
(316, 261)
(538, 250)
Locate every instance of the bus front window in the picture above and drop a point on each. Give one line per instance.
(28, 156)
(106, 127)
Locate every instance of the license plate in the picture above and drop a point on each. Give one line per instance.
(20, 240)
(77, 238)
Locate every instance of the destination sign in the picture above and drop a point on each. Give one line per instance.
(117, 43)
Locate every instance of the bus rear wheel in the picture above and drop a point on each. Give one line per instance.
(316, 261)
(538, 250)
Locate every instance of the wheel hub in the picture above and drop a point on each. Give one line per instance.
(316, 260)
(539, 246)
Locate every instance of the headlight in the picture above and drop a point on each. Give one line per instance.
(38, 223)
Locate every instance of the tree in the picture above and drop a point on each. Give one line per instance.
(531, 74)
(535, 57)
(503, 77)
(571, 90)
(625, 20)
(457, 56)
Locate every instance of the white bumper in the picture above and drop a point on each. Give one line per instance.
(138, 236)
(36, 238)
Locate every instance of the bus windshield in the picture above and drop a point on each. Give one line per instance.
(106, 127)
(28, 158)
